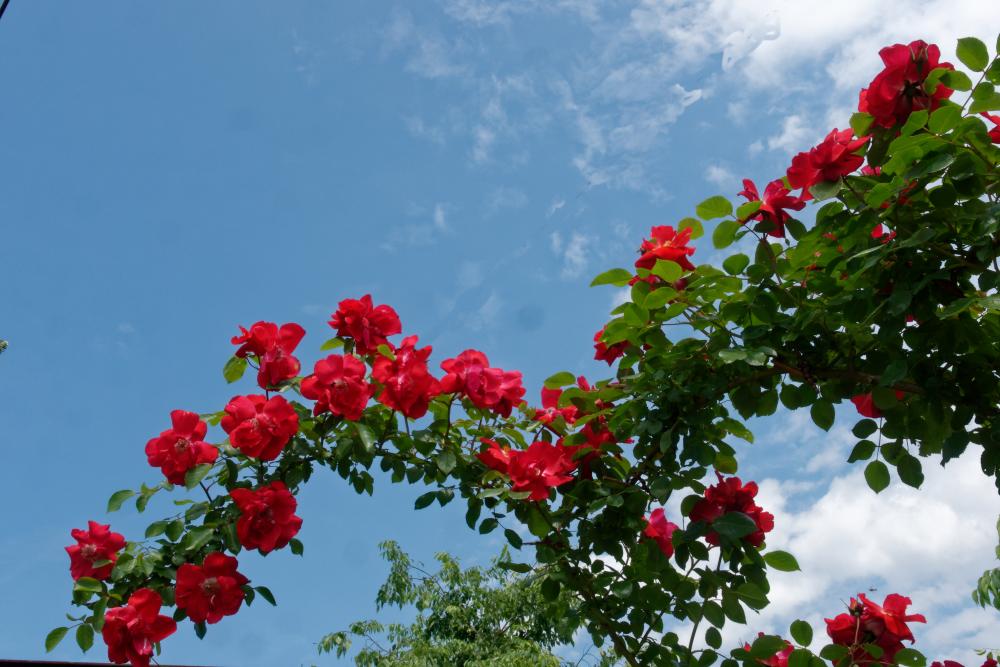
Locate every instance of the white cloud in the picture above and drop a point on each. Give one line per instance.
(505, 197)
(575, 255)
(440, 222)
(556, 204)
(794, 135)
(418, 128)
(755, 148)
(719, 175)
(929, 544)
(486, 315)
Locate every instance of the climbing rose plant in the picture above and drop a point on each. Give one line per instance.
(887, 299)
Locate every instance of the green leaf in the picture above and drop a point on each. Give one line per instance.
(616, 277)
(332, 344)
(667, 270)
(488, 526)
(174, 529)
(766, 646)
(734, 525)
(537, 524)
(944, 119)
(800, 657)
(296, 546)
(862, 451)
(909, 657)
(446, 461)
(861, 122)
(234, 369)
(117, 498)
(957, 80)
(877, 476)
(713, 638)
(781, 561)
(801, 632)
(366, 436)
(88, 585)
(512, 537)
(725, 233)
(196, 474)
(826, 189)
(424, 500)
(560, 379)
(694, 224)
(914, 122)
(822, 414)
(266, 593)
(864, 428)
(53, 638)
(156, 528)
(893, 373)
(199, 537)
(550, 588)
(972, 53)
(734, 264)
(622, 589)
(714, 207)
(85, 636)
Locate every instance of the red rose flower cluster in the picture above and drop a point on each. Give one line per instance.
(272, 346)
(407, 385)
(212, 590)
(868, 623)
(664, 243)
(865, 404)
(731, 495)
(367, 325)
(898, 90)
(541, 467)
(267, 517)
(470, 375)
(661, 531)
(338, 386)
(602, 352)
(131, 630)
(834, 157)
(181, 448)
(772, 206)
(95, 545)
(260, 427)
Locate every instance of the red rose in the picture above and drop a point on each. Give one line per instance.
(211, 591)
(833, 158)
(664, 243)
(541, 467)
(995, 130)
(898, 90)
(879, 233)
(661, 530)
(273, 348)
(779, 659)
(772, 208)
(94, 545)
(868, 623)
(407, 386)
(890, 617)
(865, 404)
(338, 386)
(267, 520)
(131, 630)
(731, 495)
(367, 325)
(550, 405)
(951, 663)
(488, 388)
(607, 354)
(178, 449)
(260, 427)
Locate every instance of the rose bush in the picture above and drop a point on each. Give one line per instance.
(888, 299)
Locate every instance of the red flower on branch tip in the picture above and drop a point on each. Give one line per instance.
(131, 630)
(898, 90)
(550, 405)
(995, 130)
(182, 447)
(779, 659)
(661, 531)
(260, 427)
(666, 244)
(865, 404)
(338, 386)
(366, 324)
(731, 495)
(273, 346)
(494, 389)
(94, 545)
(773, 205)
(541, 467)
(882, 625)
(407, 386)
(606, 353)
(212, 590)
(834, 157)
(267, 517)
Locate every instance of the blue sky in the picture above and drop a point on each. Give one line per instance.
(173, 170)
